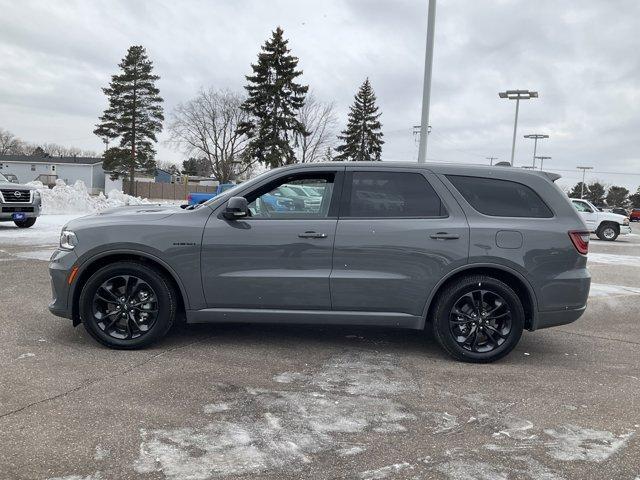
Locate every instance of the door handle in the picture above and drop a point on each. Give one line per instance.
(444, 236)
(312, 235)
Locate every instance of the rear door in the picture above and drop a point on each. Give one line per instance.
(399, 233)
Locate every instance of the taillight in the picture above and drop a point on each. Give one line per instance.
(580, 240)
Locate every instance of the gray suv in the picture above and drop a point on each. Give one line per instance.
(472, 254)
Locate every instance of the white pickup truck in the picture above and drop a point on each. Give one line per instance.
(606, 225)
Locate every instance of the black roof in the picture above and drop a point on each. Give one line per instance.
(47, 159)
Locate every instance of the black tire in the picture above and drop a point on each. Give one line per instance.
(26, 223)
(443, 322)
(162, 293)
(608, 232)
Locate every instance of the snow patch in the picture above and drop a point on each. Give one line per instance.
(44, 255)
(26, 355)
(352, 450)
(576, 443)
(94, 476)
(384, 472)
(287, 427)
(101, 453)
(63, 198)
(603, 290)
(611, 259)
(471, 470)
(215, 408)
(46, 231)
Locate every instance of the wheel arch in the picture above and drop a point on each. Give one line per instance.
(93, 264)
(514, 279)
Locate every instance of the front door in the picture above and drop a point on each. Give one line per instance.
(399, 233)
(279, 257)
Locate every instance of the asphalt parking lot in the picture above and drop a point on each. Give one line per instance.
(254, 402)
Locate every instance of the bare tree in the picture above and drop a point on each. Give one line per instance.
(320, 123)
(9, 143)
(207, 127)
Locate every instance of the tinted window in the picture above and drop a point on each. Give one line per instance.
(287, 198)
(392, 194)
(500, 198)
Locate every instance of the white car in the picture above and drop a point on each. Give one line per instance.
(606, 225)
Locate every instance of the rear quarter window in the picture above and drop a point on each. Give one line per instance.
(500, 198)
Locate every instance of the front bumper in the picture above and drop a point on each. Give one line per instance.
(625, 229)
(60, 267)
(30, 210)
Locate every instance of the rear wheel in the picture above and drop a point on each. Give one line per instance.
(26, 223)
(127, 305)
(478, 319)
(608, 232)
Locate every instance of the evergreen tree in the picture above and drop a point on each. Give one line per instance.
(635, 199)
(617, 197)
(274, 98)
(577, 189)
(134, 115)
(362, 139)
(595, 194)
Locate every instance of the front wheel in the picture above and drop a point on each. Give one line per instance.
(608, 232)
(127, 305)
(478, 319)
(26, 223)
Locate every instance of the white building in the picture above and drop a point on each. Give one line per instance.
(46, 169)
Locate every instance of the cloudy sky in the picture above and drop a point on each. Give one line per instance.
(583, 56)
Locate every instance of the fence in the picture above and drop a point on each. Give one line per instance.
(164, 191)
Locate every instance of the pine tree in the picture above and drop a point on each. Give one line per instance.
(134, 115)
(577, 189)
(274, 99)
(363, 135)
(617, 196)
(595, 194)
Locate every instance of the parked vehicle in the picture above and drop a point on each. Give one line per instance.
(19, 204)
(634, 216)
(472, 254)
(606, 225)
(620, 211)
(201, 197)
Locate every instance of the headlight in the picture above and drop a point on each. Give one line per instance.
(625, 221)
(68, 240)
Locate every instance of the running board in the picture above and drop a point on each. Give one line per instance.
(320, 317)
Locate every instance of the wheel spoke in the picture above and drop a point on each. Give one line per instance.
(496, 331)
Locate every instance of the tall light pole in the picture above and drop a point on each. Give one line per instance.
(542, 159)
(584, 170)
(536, 137)
(491, 159)
(517, 95)
(426, 87)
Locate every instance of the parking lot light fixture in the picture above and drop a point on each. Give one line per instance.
(584, 170)
(535, 137)
(517, 95)
(542, 158)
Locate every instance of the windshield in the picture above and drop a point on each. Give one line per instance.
(3, 178)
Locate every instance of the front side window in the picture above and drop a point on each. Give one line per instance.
(582, 206)
(500, 198)
(392, 194)
(288, 197)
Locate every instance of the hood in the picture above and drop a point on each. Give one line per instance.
(15, 186)
(128, 214)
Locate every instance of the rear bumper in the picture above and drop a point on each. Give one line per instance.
(558, 317)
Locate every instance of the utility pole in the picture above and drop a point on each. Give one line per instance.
(426, 87)
(584, 170)
(542, 159)
(536, 137)
(491, 159)
(517, 95)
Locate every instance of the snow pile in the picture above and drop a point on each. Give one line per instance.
(63, 198)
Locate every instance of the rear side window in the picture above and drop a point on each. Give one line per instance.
(392, 194)
(500, 198)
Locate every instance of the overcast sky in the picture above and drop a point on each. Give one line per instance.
(583, 57)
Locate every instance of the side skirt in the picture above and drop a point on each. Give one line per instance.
(241, 315)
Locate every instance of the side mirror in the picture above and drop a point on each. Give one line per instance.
(237, 207)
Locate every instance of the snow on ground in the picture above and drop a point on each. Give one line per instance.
(610, 259)
(602, 290)
(46, 231)
(63, 198)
